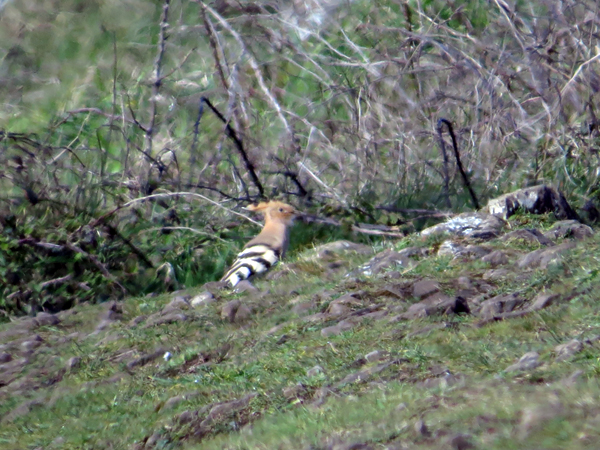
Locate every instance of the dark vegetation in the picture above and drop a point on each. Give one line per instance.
(116, 178)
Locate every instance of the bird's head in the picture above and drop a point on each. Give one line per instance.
(274, 210)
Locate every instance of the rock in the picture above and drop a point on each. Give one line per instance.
(167, 318)
(534, 416)
(22, 410)
(227, 408)
(293, 392)
(450, 248)
(32, 343)
(302, 308)
(178, 303)
(495, 258)
(495, 274)
(185, 417)
(173, 402)
(342, 247)
(202, 299)
(45, 319)
(102, 325)
(529, 235)
(245, 286)
(146, 358)
(475, 225)
(387, 259)
(571, 380)
(464, 283)
(542, 257)
(5, 357)
(338, 309)
(543, 300)
(535, 200)
(566, 351)
(461, 442)
(500, 304)
(425, 288)
(373, 356)
(316, 370)
(528, 361)
(242, 314)
(113, 311)
(569, 229)
(434, 305)
(73, 363)
(229, 310)
(334, 330)
(137, 320)
(9, 371)
(421, 428)
(214, 286)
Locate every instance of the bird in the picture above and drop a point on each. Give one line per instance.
(268, 247)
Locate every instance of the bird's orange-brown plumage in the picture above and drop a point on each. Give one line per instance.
(268, 247)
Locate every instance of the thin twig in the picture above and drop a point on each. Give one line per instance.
(238, 143)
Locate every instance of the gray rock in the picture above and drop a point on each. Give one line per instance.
(536, 200)
(178, 302)
(146, 358)
(475, 225)
(542, 257)
(531, 236)
(569, 229)
(571, 380)
(302, 308)
(375, 355)
(495, 258)
(168, 318)
(566, 351)
(528, 361)
(5, 357)
(173, 402)
(214, 286)
(202, 299)
(73, 363)
(495, 274)
(342, 247)
(461, 442)
(500, 304)
(450, 248)
(421, 428)
(387, 259)
(425, 288)
(185, 417)
(32, 343)
(242, 314)
(229, 310)
(338, 309)
(137, 320)
(113, 311)
(45, 319)
(339, 328)
(246, 286)
(316, 370)
(227, 408)
(293, 392)
(543, 300)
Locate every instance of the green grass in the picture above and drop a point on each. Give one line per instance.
(214, 361)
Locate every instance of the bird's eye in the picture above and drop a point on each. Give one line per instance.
(280, 209)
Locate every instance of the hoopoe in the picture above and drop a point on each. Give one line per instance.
(268, 247)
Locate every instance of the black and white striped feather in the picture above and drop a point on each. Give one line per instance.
(268, 247)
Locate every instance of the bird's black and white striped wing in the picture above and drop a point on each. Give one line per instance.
(251, 261)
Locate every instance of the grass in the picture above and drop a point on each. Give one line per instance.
(102, 403)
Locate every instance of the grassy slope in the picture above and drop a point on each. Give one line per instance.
(101, 403)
